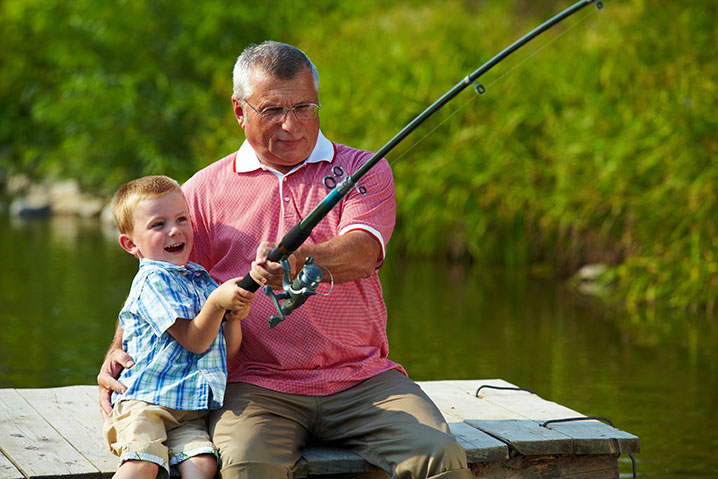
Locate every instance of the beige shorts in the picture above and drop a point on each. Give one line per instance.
(137, 430)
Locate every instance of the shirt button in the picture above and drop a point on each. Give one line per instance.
(286, 198)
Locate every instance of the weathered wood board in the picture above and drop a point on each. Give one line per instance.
(8, 469)
(517, 417)
(33, 445)
(84, 422)
(55, 433)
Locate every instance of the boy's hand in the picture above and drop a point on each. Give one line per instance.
(231, 297)
(234, 315)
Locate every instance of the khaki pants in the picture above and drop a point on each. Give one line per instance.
(388, 420)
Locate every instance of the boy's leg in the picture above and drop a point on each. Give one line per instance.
(135, 431)
(259, 432)
(190, 449)
(202, 466)
(137, 470)
(393, 424)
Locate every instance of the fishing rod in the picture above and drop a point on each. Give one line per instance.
(295, 293)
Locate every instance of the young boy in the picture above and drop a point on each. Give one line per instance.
(171, 320)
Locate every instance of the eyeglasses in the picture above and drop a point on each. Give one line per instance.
(272, 114)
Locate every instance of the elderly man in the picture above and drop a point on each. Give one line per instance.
(323, 374)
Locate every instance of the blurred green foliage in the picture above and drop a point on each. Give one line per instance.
(594, 143)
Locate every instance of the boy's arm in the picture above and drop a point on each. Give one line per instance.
(232, 336)
(196, 335)
(116, 360)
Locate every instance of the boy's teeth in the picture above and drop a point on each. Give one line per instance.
(174, 247)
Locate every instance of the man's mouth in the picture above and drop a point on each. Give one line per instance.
(175, 248)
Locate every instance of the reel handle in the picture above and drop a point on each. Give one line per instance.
(295, 293)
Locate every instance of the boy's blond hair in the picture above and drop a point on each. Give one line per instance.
(127, 196)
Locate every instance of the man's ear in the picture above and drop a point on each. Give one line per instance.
(238, 112)
(129, 245)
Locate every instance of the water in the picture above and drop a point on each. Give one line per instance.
(63, 280)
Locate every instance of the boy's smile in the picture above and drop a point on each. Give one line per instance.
(162, 229)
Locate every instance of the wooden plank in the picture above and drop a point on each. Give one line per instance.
(566, 466)
(41, 428)
(33, 445)
(74, 412)
(456, 398)
(8, 469)
(479, 446)
(589, 436)
(596, 437)
(332, 460)
(522, 434)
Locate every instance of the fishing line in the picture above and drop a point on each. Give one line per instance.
(305, 283)
(496, 80)
(331, 278)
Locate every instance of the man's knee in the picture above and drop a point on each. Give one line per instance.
(251, 452)
(249, 470)
(436, 455)
(445, 451)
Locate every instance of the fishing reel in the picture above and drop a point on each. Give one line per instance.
(295, 293)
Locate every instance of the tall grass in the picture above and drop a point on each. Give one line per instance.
(594, 143)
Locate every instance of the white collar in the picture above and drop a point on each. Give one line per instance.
(246, 159)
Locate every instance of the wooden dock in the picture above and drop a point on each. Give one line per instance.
(57, 433)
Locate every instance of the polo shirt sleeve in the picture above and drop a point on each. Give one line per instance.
(162, 299)
(371, 206)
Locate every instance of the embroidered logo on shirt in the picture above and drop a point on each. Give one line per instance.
(330, 181)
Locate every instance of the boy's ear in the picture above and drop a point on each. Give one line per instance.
(128, 245)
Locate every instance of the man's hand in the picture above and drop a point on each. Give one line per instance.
(265, 272)
(351, 256)
(115, 362)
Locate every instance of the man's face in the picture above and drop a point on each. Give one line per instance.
(282, 144)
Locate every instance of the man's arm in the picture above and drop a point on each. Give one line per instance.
(116, 360)
(349, 257)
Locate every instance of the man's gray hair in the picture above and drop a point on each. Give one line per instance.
(277, 59)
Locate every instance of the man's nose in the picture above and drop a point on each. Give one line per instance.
(290, 120)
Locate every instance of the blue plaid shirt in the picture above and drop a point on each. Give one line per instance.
(165, 373)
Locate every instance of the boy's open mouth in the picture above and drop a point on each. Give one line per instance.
(175, 248)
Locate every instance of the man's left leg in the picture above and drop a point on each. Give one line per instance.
(392, 423)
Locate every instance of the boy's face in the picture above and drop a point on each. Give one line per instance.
(162, 230)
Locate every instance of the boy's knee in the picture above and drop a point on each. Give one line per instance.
(137, 470)
(202, 465)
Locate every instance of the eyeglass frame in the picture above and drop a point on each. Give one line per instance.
(285, 111)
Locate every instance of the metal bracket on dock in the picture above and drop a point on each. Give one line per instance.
(507, 388)
(580, 418)
(588, 418)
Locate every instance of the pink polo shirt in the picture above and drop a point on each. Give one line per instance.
(331, 342)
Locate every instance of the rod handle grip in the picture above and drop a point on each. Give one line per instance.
(248, 282)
